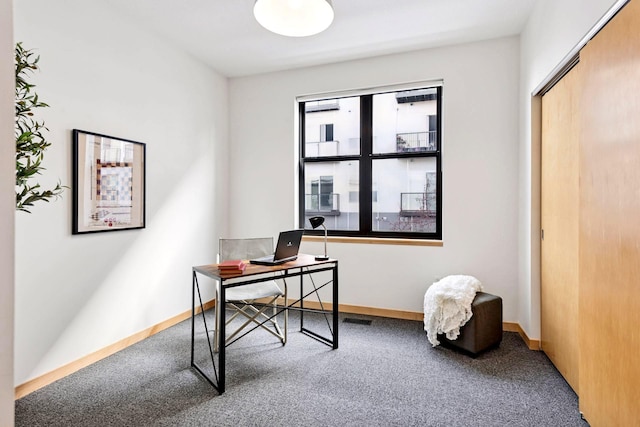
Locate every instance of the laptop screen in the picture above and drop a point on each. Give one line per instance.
(288, 244)
(286, 249)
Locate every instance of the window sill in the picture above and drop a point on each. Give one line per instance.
(374, 241)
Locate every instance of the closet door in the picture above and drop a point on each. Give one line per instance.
(610, 223)
(559, 218)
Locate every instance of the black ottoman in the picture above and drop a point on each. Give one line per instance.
(483, 331)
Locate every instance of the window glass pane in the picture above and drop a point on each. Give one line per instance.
(332, 127)
(405, 121)
(406, 195)
(331, 190)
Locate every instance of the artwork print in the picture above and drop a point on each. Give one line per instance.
(109, 183)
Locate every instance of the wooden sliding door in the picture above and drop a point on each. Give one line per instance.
(609, 264)
(559, 219)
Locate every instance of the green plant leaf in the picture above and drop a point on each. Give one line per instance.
(30, 142)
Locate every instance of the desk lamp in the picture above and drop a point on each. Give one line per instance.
(317, 221)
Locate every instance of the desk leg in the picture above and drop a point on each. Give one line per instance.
(331, 325)
(335, 307)
(222, 334)
(219, 376)
(193, 314)
(301, 303)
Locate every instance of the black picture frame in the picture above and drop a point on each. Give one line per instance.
(109, 183)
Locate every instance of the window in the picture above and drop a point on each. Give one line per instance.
(371, 164)
(322, 196)
(326, 132)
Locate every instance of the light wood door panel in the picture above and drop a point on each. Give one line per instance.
(609, 264)
(559, 218)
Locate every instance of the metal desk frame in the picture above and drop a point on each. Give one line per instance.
(305, 265)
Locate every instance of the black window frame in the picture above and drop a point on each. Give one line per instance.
(366, 159)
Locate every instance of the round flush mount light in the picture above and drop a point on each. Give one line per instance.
(294, 18)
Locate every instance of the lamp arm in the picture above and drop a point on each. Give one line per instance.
(325, 240)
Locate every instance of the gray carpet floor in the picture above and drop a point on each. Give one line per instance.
(383, 374)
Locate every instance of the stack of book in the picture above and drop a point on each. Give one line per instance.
(232, 266)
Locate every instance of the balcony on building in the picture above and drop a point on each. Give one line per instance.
(322, 204)
(416, 142)
(417, 204)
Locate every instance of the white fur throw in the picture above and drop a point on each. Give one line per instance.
(447, 306)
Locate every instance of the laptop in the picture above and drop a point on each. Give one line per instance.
(286, 249)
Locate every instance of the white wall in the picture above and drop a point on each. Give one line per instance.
(552, 31)
(101, 73)
(480, 168)
(7, 206)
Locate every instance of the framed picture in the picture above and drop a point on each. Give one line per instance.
(108, 183)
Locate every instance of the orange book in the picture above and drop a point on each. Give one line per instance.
(232, 265)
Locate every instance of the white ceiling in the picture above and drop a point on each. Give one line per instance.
(225, 35)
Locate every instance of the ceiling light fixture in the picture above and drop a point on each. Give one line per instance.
(294, 18)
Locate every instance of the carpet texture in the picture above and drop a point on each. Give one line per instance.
(384, 374)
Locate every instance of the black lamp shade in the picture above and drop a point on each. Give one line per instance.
(316, 221)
